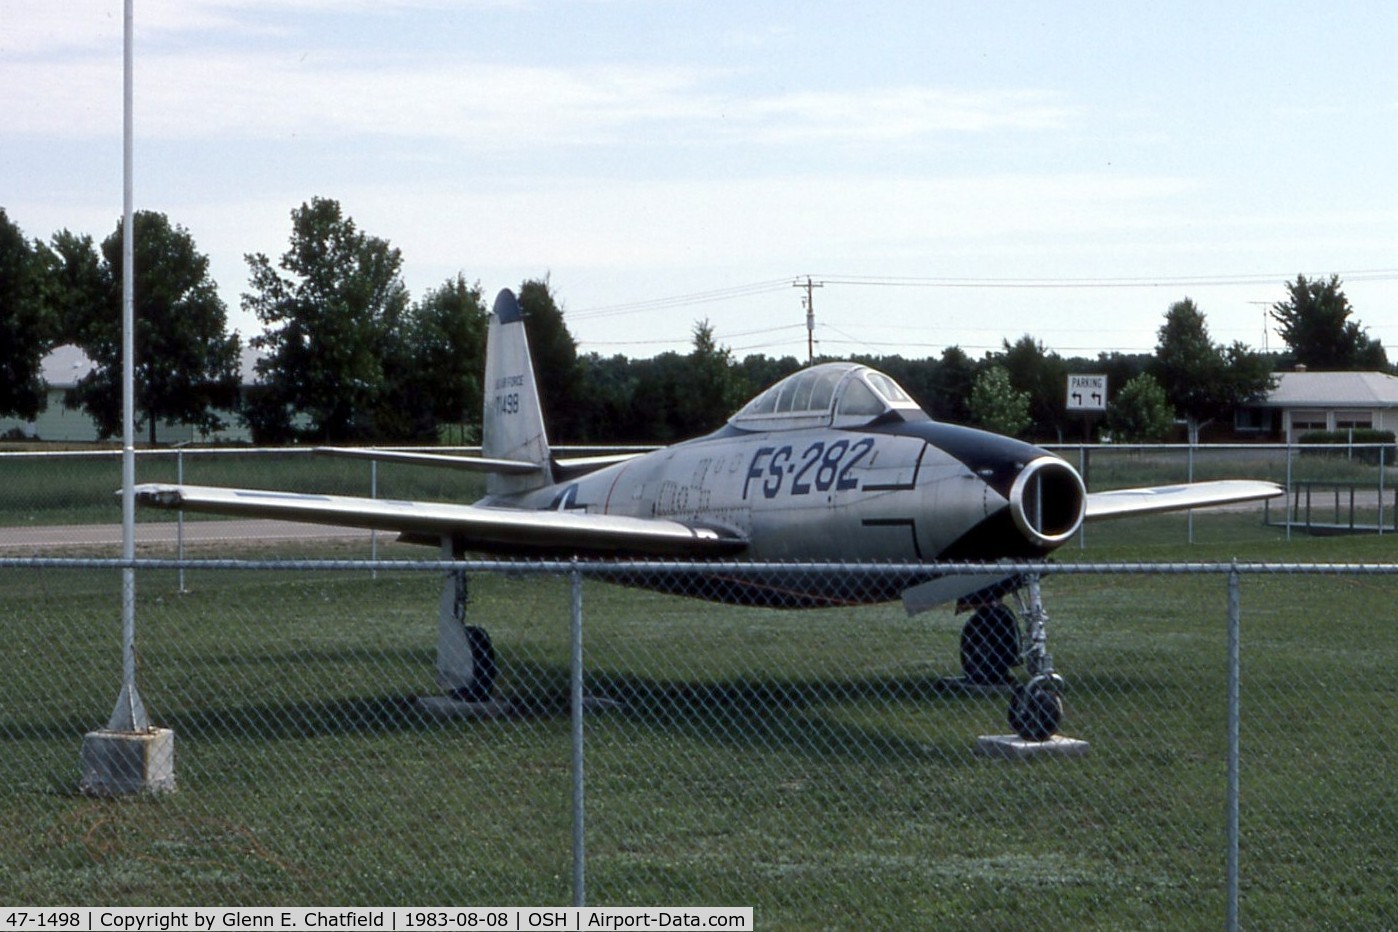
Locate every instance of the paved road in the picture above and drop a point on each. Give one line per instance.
(105, 539)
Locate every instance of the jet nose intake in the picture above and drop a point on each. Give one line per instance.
(1048, 501)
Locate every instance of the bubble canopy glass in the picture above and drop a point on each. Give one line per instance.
(830, 394)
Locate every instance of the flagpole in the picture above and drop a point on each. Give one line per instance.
(130, 713)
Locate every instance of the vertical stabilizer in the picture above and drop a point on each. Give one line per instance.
(512, 423)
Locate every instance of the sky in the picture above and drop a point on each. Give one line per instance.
(946, 173)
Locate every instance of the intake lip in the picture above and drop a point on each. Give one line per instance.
(1048, 501)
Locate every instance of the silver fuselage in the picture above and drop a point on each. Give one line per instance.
(905, 491)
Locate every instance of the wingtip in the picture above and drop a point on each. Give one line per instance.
(157, 495)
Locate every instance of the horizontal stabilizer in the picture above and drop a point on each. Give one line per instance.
(1121, 503)
(572, 467)
(411, 457)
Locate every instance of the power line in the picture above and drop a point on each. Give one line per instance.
(768, 286)
(666, 342)
(885, 281)
(810, 282)
(683, 300)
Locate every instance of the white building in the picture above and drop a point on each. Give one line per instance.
(1304, 401)
(66, 365)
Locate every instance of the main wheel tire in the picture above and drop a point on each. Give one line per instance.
(1035, 713)
(990, 645)
(483, 667)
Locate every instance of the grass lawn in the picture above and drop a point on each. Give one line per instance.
(807, 763)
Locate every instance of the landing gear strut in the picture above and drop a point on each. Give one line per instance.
(1036, 708)
(466, 665)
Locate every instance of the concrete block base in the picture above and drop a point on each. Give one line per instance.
(1013, 747)
(447, 707)
(119, 763)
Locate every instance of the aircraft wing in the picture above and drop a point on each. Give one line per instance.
(1121, 503)
(479, 528)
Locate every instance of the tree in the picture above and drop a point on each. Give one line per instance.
(27, 321)
(1119, 368)
(331, 325)
(186, 362)
(953, 380)
(657, 402)
(436, 376)
(80, 282)
(1042, 376)
(1140, 412)
(555, 356)
(709, 391)
(1203, 380)
(609, 387)
(757, 371)
(1314, 322)
(997, 405)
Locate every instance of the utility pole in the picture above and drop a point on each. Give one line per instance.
(809, 301)
(1266, 323)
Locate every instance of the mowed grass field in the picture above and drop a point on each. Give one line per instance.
(811, 764)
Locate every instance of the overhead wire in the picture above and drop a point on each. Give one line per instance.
(885, 281)
(768, 286)
(682, 300)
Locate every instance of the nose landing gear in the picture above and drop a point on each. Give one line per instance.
(1036, 708)
(991, 645)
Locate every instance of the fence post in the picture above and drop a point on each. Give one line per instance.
(1290, 505)
(1383, 450)
(374, 535)
(179, 515)
(1234, 751)
(1082, 471)
(1190, 514)
(576, 704)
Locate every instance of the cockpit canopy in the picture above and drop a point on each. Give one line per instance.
(832, 394)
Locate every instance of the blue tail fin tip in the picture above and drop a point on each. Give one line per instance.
(507, 307)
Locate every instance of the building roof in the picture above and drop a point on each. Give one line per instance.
(1333, 390)
(66, 365)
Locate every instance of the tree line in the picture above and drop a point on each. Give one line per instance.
(346, 355)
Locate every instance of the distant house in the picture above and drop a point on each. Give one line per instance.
(1305, 401)
(67, 365)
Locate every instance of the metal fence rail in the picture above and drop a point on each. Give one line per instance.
(86, 495)
(651, 749)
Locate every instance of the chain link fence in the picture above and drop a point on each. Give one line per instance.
(1336, 488)
(819, 765)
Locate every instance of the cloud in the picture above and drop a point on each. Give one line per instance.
(899, 113)
(269, 94)
(792, 221)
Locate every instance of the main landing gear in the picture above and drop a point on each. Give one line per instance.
(991, 646)
(466, 666)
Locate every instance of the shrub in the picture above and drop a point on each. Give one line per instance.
(1369, 444)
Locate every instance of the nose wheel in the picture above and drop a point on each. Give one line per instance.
(1036, 710)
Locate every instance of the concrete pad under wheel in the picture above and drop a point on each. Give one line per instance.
(447, 707)
(1013, 747)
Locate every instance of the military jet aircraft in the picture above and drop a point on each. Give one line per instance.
(834, 464)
